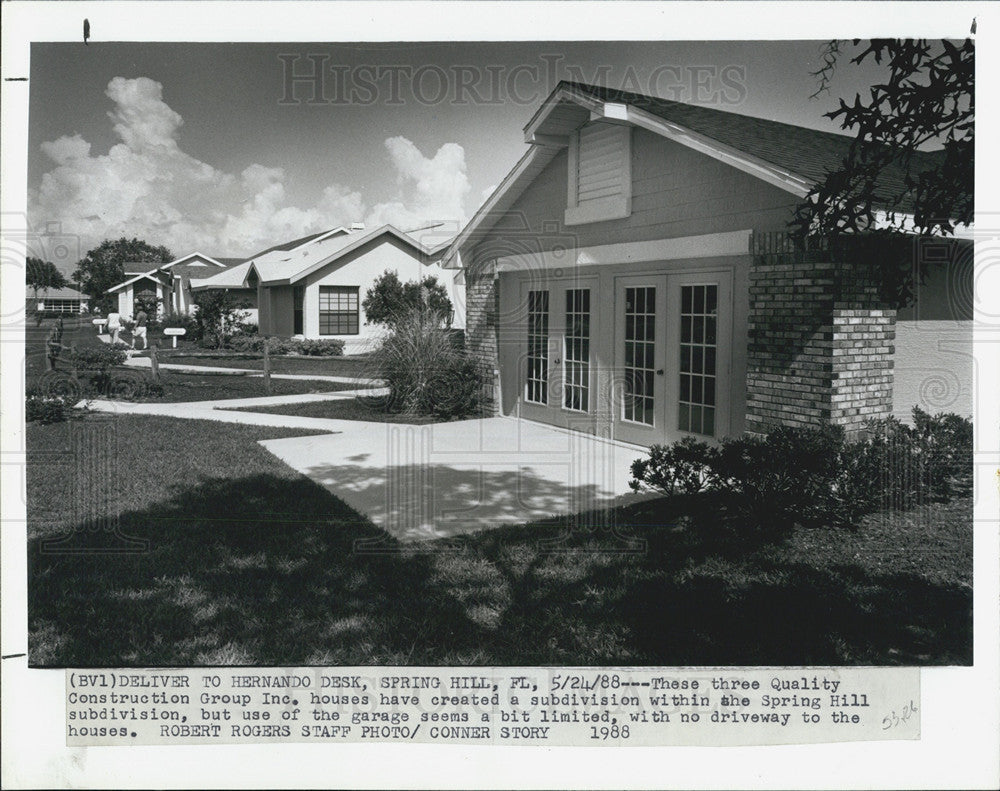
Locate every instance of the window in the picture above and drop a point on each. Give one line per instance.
(298, 301)
(699, 322)
(576, 352)
(599, 174)
(61, 305)
(537, 390)
(338, 310)
(640, 335)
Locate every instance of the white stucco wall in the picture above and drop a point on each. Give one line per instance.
(362, 269)
(933, 367)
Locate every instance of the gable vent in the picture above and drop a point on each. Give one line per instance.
(600, 179)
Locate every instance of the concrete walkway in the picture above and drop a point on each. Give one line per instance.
(438, 480)
(448, 479)
(225, 412)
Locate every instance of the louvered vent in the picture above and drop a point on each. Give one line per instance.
(600, 175)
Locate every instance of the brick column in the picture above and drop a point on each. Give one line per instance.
(482, 307)
(820, 339)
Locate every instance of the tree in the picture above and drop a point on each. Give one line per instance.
(219, 315)
(389, 301)
(104, 266)
(42, 275)
(910, 168)
(926, 102)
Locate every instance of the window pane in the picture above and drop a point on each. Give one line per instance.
(698, 327)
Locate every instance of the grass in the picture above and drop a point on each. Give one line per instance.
(248, 562)
(344, 409)
(176, 386)
(322, 366)
(196, 387)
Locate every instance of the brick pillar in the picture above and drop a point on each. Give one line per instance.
(820, 339)
(482, 306)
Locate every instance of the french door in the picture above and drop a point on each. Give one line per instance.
(558, 370)
(672, 356)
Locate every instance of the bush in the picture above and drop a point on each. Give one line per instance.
(776, 480)
(188, 323)
(44, 409)
(389, 302)
(326, 347)
(98, 362)
(254, 344)
(425, 373)
(684, 467)
(814, 476)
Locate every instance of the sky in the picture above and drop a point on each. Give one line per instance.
(218, 148)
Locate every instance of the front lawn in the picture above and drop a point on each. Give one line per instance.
(208, 387)
(357, 367)
(248, 562)
(362, 408)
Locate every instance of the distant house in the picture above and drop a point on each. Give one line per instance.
(168, 284)
(56, 300)
(315, 287)
(632, 277)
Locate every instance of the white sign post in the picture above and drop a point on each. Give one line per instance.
(174, 331)
(99, 323)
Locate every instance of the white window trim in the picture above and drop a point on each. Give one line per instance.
(614, 207)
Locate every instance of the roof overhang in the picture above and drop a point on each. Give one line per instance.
(550, 129)
(130, 281)
(426, 255)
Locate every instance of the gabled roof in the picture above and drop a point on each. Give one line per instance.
(300, 242)
(56, 293)
(276, 266)
(790, 157)
(806, 153)
(156, 275)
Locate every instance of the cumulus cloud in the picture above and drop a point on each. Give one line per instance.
(430, 189)
(146, 186)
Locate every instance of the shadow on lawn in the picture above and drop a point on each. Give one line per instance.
(264, 570)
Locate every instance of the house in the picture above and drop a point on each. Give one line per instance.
(632, 277)
(315, 288)
(56, 300)
(168, 284)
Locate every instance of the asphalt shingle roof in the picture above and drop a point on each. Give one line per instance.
(809, 153)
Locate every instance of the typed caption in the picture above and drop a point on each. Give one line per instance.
(542, 706)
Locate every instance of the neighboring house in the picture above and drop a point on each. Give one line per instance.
(56, 300)
(315, 287)
(169, 283)
(632, 277)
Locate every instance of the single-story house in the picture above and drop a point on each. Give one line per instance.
(168, 283)
(316, 289)
(632, 277)
(56, 300)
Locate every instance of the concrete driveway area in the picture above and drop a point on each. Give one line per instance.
(447, 479)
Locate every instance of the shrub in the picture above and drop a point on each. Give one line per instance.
(98, 362)
(254, 344)
(777, 480)
(425, 373)
(220, 316)
(389, 301)
(814, 476)
(946, 443)
(684, 467)
(326, 347)
(188, 323)
(44, 409)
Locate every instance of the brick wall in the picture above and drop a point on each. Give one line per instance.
(820, 340)
(482, 306)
